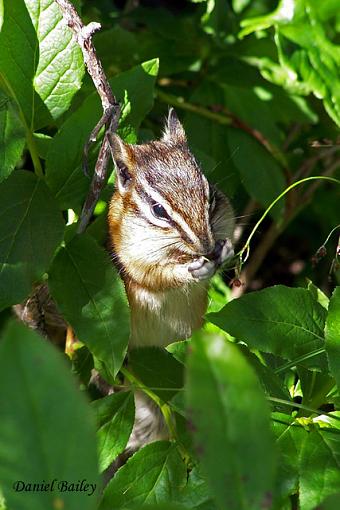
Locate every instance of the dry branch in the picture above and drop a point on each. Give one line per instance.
(111, 108)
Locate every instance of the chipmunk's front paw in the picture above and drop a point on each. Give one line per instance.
(202, 269)
(223, 251)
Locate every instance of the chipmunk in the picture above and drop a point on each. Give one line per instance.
(169, 231)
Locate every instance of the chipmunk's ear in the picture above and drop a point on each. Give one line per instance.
(173, 129)
(122, 155)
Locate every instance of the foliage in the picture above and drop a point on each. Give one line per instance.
(252, 399)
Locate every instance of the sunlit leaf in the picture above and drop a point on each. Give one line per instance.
(283, 321)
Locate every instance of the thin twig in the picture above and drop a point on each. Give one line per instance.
(276, 229)
(111, 108)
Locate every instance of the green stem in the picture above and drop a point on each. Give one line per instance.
(246, 247)
(29, 135)
(301, 406)
(179, 102)
(296, 361)
(34, 154)
(164, 407)
(330, 235)
(226, 119)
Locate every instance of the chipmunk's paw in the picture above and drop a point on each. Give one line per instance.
(202, 269)
(223, 251)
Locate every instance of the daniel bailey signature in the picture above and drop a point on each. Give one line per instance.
(56, 486)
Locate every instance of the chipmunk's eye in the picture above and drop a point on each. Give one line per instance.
(159, 211)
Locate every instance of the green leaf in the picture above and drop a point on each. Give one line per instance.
(162, 506)
(12, 136)
(157, 369)
(115, 416)
(17, 67)
(82, 364)
(46, 430)
(332, 335)
(271, 382)
(60, 67)
(280, 320)
(331, 503)
(318, 295)
(231, 423)
(217, 18)
(90, 295)
(43, 76)
(219, 294)
(42, 143)
(290, 436)
(260, 173)
(64, 173)
(207, 140)
(312, 61)
(239, 5)
(179, 350)
(319, 467)
(31, 227)
(197, 493)
(155, 474)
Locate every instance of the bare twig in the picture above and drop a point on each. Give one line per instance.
(276, 229)
(111, 109)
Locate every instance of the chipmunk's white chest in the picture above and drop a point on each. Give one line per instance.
(159, 318)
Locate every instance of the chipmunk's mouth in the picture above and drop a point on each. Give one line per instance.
(205, 266)
(222, 251)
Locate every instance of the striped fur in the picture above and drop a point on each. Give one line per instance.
(155, 254)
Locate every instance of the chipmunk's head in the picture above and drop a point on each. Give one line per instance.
(164, 212)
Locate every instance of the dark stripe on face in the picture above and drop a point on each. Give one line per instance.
(144, 196)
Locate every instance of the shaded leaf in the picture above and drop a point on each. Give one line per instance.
(271, 382)
(290, 436)
(12, 136)
(256, 165)
(45, 423)
(91, 298)
(207, 140)
(332, 334)
(230, 416)
(155, 474)
(319, 467)
(197, 492)
(31, 227)
(115, 416)
(157, 367)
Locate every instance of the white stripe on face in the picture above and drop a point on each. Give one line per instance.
(177, 218)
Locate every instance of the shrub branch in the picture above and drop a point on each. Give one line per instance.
(111, 108)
